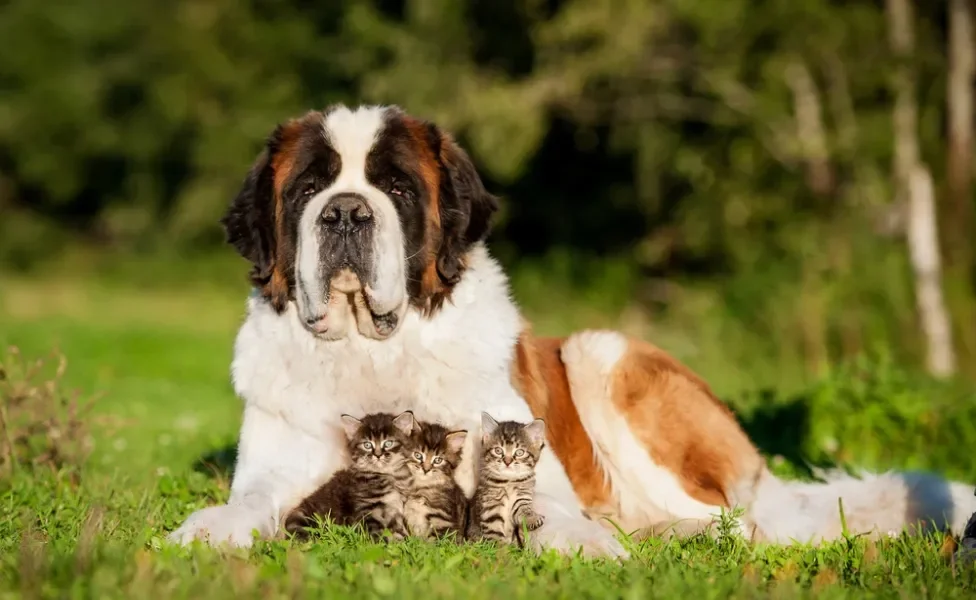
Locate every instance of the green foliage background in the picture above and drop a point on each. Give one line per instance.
(647, 150)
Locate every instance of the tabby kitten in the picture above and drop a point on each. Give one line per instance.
(369, 490)
(502, 502)
(435, 504)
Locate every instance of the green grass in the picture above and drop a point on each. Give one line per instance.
(157, 350)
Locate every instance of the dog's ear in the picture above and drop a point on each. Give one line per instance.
(249, 221)
(466, 207)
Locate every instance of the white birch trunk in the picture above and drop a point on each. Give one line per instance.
(810, 131)
(923, 246)
(913, 183)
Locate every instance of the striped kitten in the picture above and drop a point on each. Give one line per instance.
(435, 504)
(369, 490)
(506, 485)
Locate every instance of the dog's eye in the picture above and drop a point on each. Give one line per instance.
(309, 189)
(399, 187)
(519, 453)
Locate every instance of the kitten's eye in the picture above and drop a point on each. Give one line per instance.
(497, 451)
(438, 460)
(387, 444)
(519, 453)
(368, 445)
(418, 456)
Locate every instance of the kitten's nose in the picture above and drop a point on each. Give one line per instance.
(377, 452)
(508, 461)
(427, 468)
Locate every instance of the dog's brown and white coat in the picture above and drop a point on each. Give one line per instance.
(373, 291)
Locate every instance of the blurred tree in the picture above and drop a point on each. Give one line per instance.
(913, 181)
(739, 158)
(959, 161)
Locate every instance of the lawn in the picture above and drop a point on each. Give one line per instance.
(157, 355)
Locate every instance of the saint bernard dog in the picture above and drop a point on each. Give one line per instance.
(373, 291)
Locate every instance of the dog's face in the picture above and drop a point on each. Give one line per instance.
(357, 215)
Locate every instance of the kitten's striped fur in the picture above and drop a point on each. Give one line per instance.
(370, 490)
(434, 503)
(503, 500)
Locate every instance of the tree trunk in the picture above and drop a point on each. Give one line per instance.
(901, 36)
(962, 66)
(810, 131)
(923, 246)
(913, 184)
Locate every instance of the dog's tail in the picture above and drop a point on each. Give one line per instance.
(886, 503)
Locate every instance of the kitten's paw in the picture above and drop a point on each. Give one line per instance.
(227, 524)
(297, 524)
(534, 522)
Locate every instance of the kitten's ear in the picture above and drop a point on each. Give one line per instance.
(536, 432)
(488, 425)
(405, 422)
(351, 425)
(455, 441)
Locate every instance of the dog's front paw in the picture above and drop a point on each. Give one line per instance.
(569, 536)
(227, 524)
(570, 531)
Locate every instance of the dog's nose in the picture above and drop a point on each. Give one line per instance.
(346, 210)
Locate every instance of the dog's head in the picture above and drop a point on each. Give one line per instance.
(366, 212)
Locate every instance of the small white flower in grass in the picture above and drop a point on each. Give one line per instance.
(162, 471)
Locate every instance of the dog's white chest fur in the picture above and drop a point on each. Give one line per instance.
(446, 369)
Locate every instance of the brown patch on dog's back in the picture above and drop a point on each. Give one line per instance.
(539, 375)
(674, 414)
